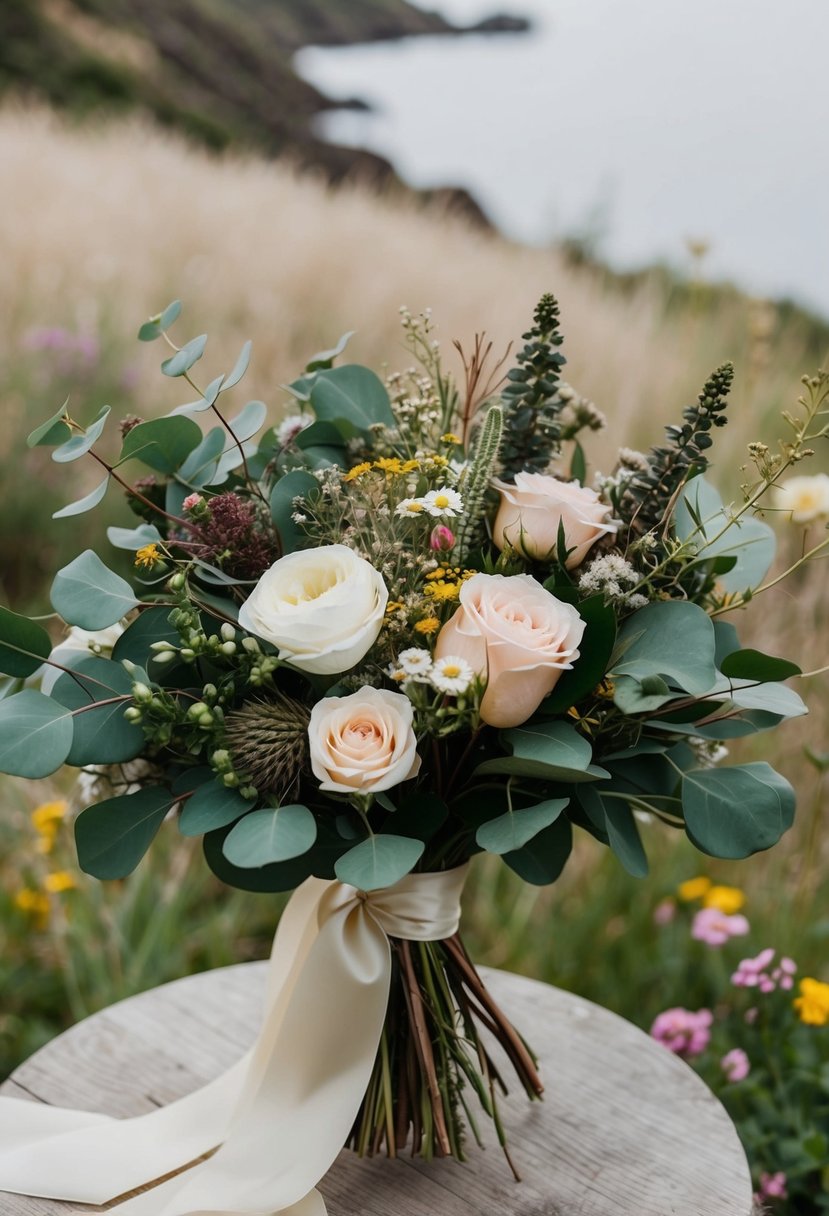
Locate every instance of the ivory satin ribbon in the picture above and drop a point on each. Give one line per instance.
(280, 1116)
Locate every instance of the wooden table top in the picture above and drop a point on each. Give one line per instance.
(625, 1129)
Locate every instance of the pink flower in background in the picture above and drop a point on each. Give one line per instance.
(713, 927)
(664, 912)
(735, 1064)
(682, 1031)
(772, 1186)
(755, 973)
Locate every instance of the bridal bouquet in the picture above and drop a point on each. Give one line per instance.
(396, 630)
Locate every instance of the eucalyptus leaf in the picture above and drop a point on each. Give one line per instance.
(151, 625)
(293, 485)
(595, 650)
(271, 835)
(239, 367)
(181, 362)
(379, 861)
(354, 393)
(753, 665)
(24, 645)
(80, 443)
(324, 358)
(551, 750)
(53, 431)
(86, 503)
(542, 860)
(247, 422)
(202, 463)
(736, 811)
(101, 733)
(162, 444)
(133, 539)
(89, 594)
(35, 735)
(517, 827)
(748, 539)
(208, 398)
(154, 328)
(212, 806)
(674, 640)
(112, 836)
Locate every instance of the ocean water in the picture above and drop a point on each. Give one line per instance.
(641, 124)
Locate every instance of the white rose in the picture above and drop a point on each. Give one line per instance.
(323, 608)
(364, 742)
(807, 498)
(532, 509)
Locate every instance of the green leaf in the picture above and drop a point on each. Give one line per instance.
(736, 811)
(151, 625)
(202, 463)
(770, 698)
(239, 367)
(208, 398)
(281, 875)
(617, 821)
(542, 860)
(750, 540)
(324, 358)
(101, 733)
(53, 431)
(354, 393)
(419, 815)
(86, 503)
(379, 861)
(578, 463)
(183, 359)
(512, 831)
(551, 750)
(753, 665)
(133, 539)
(291, 486)
(88, 594)
(112, 836)
(163, 444)
(595, 650)
(212, 806)
(326, 434)
(35, 735)
(674, 640)
(80, 443)
(154, 328)
(24, 645)
(270, 835)
(247, 422)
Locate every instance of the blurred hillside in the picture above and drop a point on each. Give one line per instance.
(218, 70)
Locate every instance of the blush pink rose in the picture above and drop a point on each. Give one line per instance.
(517, 637)
(363, 743)
(532, 509)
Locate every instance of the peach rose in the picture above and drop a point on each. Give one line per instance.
(363, 743)
(516, 636)
(532, 509)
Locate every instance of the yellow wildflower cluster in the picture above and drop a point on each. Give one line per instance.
(392, 466)
(147, 556)
(429, 624)
(727, 900)
(443, 585)
(46, 820)
(813, 1003)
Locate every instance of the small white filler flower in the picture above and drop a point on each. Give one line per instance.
(451, 674)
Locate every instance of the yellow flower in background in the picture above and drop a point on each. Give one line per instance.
(147, 556)
(58, 882)
(725, 899)
(693, 889)
(34, 904)
(357, 471)
(389, 465)
(806, 498)
(429, 624)
(451, 437)
(48, 816)
(813, 1003)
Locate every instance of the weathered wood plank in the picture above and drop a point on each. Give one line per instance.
(626, 1129)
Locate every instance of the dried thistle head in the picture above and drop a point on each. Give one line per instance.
(268, 741)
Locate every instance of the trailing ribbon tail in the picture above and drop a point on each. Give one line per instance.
(280, 1116)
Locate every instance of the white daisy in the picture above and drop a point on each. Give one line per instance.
(443, 501)
(451, 674)
(415, 662)
(410, 506)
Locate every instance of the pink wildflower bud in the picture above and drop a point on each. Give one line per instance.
(772, 1186)
(735, 1064)
(441, 539)
(664, 912)
(192, 501)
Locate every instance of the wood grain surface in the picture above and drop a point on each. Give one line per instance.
(626, 1128)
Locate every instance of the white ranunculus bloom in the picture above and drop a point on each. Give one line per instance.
(807, 498)
(77, 640)
(323, 608)
(363, 743)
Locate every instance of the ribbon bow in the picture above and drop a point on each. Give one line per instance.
(279, 1117)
